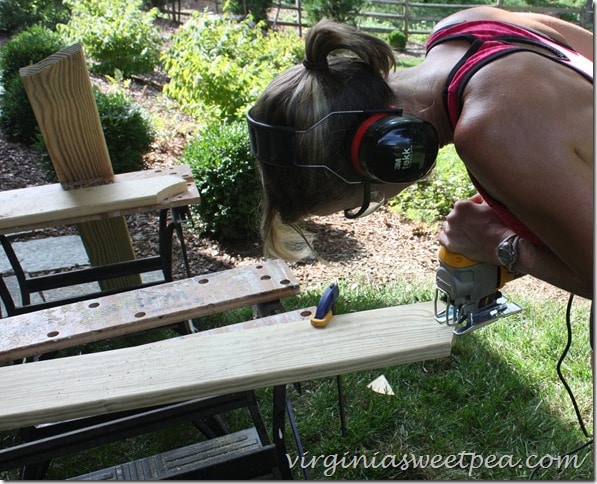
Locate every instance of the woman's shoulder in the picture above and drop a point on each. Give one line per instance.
(523, 82)
(508, 110)
(540, 23)
(473, 14)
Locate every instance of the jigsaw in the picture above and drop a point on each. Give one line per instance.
(470, 293)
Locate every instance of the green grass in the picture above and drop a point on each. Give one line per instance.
(496, 397)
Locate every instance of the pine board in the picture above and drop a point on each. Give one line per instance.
(189, 197)
(83, 202)
(201, 365)
(61, 95)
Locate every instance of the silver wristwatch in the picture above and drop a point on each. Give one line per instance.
(507, 252)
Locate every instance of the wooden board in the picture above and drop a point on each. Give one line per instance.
(200, 365)
(90, 200)
(132, 311)
(280, 318)
(189, 197)
(61, 96)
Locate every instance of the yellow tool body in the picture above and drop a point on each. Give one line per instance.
(471, 292)
(459, 261)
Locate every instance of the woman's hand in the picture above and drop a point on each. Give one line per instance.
(474, 230)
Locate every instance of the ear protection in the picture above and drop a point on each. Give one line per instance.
(390, 148)
(387, 147)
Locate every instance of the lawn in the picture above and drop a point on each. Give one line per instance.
(493, 410)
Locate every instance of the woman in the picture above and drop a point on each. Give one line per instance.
(512, 91)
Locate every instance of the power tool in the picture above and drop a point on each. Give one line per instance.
(471, 292)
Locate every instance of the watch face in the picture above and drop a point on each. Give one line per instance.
(505, 254)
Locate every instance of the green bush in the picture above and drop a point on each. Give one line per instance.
(344, 11)
(17, 120)
(116, 35)
(220, 65)
(256, 8)
(26, 48)
(432, 199)
(397, 39)
(17, 15)
(224, 171)
(127, 129)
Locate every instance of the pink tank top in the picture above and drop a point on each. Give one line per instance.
(491, 40)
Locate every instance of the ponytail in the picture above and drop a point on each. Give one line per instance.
(327, 37)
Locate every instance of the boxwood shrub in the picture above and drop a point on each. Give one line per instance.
(26, 48)
(228, 183)
(128, 130)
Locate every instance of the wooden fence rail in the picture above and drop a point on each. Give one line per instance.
(415, 18)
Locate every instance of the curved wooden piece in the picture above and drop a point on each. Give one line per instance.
(81, 202)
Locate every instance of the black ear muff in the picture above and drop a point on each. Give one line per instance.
(394, 148)
(272, 145)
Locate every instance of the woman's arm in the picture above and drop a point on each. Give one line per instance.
(472, 228)
(525, 133)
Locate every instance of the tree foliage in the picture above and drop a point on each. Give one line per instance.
(116, 35)
(221, 65)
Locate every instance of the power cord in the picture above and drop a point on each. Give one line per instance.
(559, 367)
(568, 389)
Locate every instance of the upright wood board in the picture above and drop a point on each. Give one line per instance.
(60, 92)
(202, 365)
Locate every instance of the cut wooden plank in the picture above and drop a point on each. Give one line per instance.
(200, 365)
(60, 92)
(90, 200)
(61, 95)
(132, 311)
(189, 197)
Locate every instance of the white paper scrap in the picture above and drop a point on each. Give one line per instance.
(381, 385)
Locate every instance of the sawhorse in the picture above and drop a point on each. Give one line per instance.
(260, 285)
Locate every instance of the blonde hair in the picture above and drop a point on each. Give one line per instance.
(344, 69)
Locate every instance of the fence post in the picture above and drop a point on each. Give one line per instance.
(586, 14)
(406, 6)
(300, 17)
